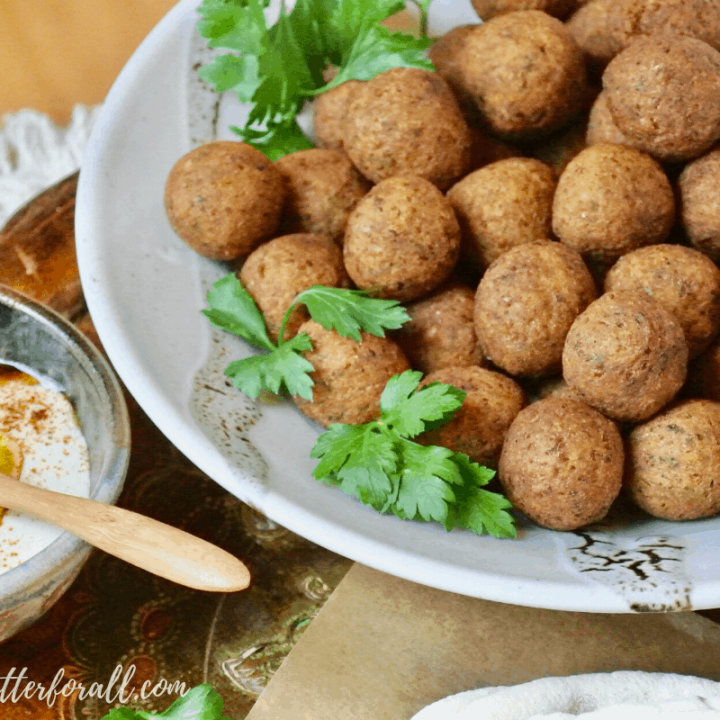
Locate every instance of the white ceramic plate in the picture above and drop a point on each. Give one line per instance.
(145, 290)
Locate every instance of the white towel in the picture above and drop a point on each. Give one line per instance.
(35, 154)
(623, 695)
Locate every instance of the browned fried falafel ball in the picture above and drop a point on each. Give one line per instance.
(224, 198)
(407, 121)
(479, 427)
(559, 148)
(486, 149)
(591, 28)
(673, 462)
(526, 73)
(487, 9)
(441, 332)
(562, 463)
(664, 95)
(699, 185)
(682, 280)
(279, 270)
(695, 18)
(601, 127)
(549, 387)
(329, 113)
(349, 376)
(703, 379)
(612, 199)
(323, 188)
(502, 205)
(525, 304)
(625, 355)
(402, 239)
(445, 54)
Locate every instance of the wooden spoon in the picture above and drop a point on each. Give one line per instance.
(149, 544)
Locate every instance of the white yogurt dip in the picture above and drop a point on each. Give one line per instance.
(42, 422)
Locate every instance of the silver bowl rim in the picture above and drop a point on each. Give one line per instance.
(21, 579)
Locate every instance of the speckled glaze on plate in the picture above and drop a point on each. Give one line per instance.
(145, 291)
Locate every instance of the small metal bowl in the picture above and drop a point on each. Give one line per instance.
(38, 341)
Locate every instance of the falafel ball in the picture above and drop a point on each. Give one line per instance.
(487, 9)
(699, 185)
(703, 379)
(526, 73)
(558, 149)
(441, 332)
(279, 270)
(682, 280)
(349, 376)
(601, 127)
(486, 149)
(625, 355)
(479, 427)
(673, 462)
(407, 121)
(695, 18)
(444, 54)
(664, 95)
(562, 463)
(503, 205)
(402, 239)
(525, 304)
(224, 198)
(554, 386)
(323, 188)
(612, 199)
(329, 113)
(591, 28)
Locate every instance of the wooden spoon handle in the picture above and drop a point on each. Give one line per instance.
(149, 544)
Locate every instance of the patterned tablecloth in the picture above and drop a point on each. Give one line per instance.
(117, 615)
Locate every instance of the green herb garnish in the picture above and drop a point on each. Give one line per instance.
(380, 465)
(200, 703)
(283, 368)
(278, 68)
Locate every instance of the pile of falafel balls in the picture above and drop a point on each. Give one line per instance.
(547, 206)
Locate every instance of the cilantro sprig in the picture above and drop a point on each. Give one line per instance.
(200, 703)
(283, 369)
(380, 465)
(278, 68)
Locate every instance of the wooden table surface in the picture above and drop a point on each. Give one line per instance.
(57, 53)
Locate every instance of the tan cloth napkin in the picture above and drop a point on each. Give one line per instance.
(383, 648)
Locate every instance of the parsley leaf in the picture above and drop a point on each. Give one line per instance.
(233, 25)
(377, 463)
(232, 72)
(232, 309)
(362, 459)
(280, 67)
(283, 369)
(200, 703)
(375, 50)
(349, 311)
(477, 509)
(285, 77)
(409, 411)
(349, 16)
(424, 487)
(277, 139)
